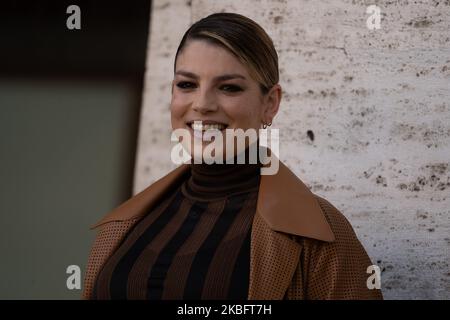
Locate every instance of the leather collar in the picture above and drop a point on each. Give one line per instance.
(284, 202)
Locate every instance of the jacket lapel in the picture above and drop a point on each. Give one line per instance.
(139, 204)
(285, 206)
(273, 260)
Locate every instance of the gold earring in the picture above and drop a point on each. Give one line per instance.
(265, 125)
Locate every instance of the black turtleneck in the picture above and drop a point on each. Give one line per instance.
(194, 245)
(210, 182)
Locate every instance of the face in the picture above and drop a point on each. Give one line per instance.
(212, 86)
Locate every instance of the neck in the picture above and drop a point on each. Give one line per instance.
(217, 181)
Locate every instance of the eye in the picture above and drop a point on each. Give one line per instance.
(231, 88)
(185, 85)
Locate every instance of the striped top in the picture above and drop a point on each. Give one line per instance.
(195, 244)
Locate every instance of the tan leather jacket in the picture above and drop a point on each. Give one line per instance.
(302, 247)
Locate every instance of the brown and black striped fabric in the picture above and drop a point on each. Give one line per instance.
(195, 244)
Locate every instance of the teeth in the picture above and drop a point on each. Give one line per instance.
(197, 125)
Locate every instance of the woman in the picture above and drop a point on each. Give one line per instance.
(224, 231)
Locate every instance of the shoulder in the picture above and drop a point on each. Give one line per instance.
(346, 245)
(139, 204)
(339, 224)
(337, 269)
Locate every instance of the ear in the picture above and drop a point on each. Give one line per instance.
(272, 103)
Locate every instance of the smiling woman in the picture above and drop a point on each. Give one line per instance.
(224, 231)
(213, 89)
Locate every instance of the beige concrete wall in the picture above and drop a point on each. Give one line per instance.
(378, 103)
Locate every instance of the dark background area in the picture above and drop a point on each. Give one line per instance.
(111, 43)
(70, 104)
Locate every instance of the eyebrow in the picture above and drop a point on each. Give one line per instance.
(218, 78)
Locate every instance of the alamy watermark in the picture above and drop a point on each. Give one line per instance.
(224, 146)
(373, 22)
(74, 20)
(73, 281)
(374, 280)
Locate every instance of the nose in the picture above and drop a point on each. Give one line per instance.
(204, 102)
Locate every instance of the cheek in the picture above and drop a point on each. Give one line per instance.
(178, 108)
(245, 113)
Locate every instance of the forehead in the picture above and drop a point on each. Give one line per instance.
(206, 59)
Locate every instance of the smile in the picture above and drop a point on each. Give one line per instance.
(203, 126)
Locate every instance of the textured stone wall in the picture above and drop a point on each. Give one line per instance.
(368, 113)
